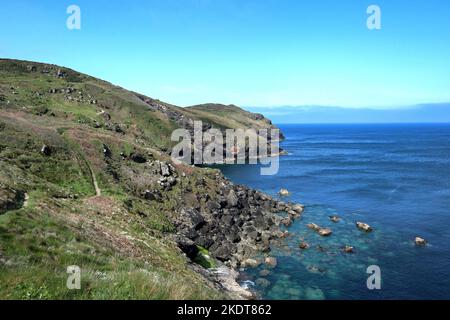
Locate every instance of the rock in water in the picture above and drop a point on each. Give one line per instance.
(271, 261)
(364, 226)
(335, 219)
(313, 226)
(348, 249)
(324, 232)
(298, 208)
(264, 283)
(250, 263)
(420, 241)
(284, 192)
(303, 246)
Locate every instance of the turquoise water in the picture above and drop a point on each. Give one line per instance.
(394, 177)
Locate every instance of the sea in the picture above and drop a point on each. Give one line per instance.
(395, 177)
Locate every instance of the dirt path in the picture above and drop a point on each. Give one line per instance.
(98, 191)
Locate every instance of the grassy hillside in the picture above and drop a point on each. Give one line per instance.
(86, 180)
(50, 214)
(229, 116)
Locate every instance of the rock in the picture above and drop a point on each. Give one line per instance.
(264, 272)
(335, 219)
(60, 73)
(138, 158)
(46, 150)
(271, 261)
(299, 208)
(264, 283)
(313, 226)
(316, 269)
(284, 192)
(348, 249)
(232, 199)
(148, 195)
(303, 245)
(165, 169)
(420, 241)
(11, 199)
(250, 263)
(324, 232)
(224, 251)
(286, 221)
(106, 151)
(188, 247)
(227, 278)
(364, 226)
(31, 68)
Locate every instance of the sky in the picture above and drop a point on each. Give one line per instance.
(253, 53)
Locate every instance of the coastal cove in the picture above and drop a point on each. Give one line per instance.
(394, 177)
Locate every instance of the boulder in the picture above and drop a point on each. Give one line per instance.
(264, 272)
(313, 226)
(188, 247)
(261, 282)
(364, 226)
(149, 195)
(138, 158)
(284, 192)
(165, 169)
(324, 232)
(271, 261)
(298, 208)
(46, 150)
(232, 199)
(286, 221)
(420, 241)
(303, 245)
(250, 263)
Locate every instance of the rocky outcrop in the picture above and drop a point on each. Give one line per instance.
(10, 199)
(236, 225)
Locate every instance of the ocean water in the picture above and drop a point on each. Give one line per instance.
(394, 177)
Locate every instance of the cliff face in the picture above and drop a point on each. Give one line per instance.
(86, 179)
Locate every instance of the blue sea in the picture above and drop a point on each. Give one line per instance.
(396, 178)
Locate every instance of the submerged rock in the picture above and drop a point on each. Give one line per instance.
(264, 272)
(364, 226)
(335, 219)
(262, 282)
(271, 261)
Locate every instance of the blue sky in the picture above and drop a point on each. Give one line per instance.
(247, 52)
